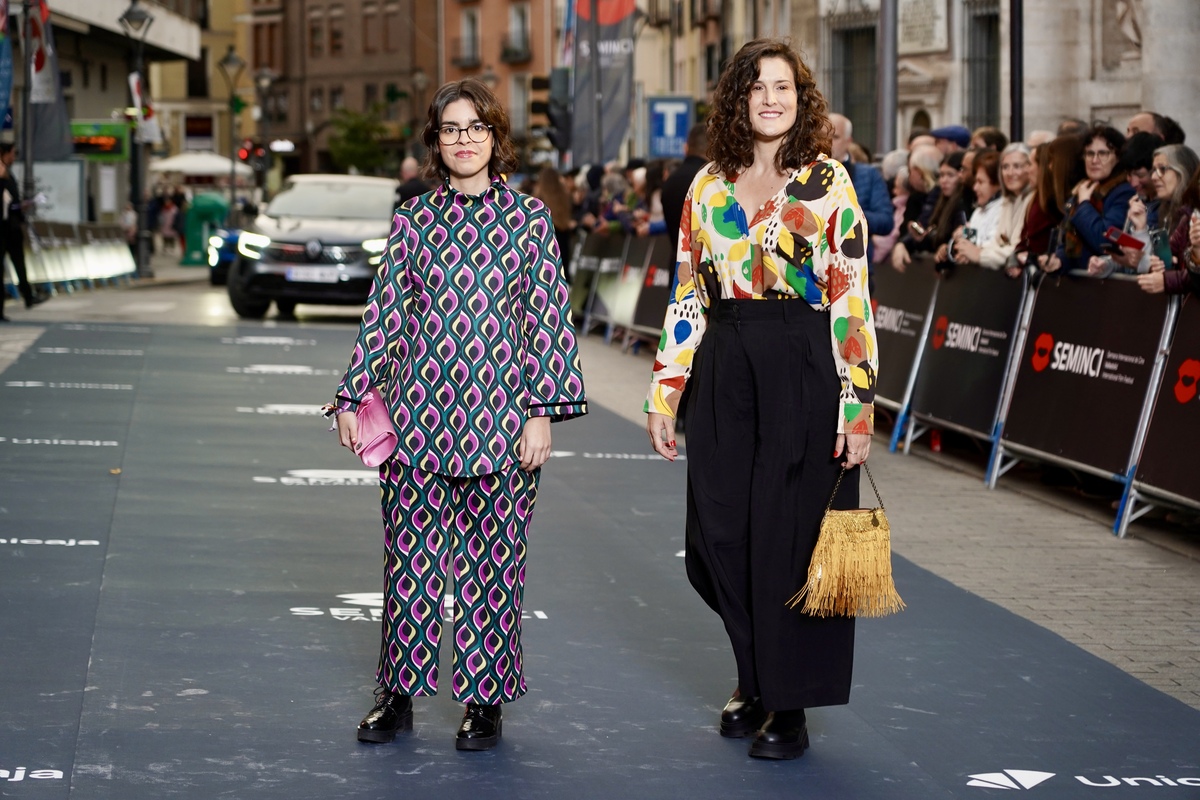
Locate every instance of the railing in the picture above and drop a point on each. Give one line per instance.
(465, 53)
(515, 48)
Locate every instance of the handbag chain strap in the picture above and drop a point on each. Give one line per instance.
(836, 486)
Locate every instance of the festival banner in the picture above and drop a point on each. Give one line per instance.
(52, 140)
(1085, 369)
(900, 301)
(610, 71)
(1175, 427)
(966, 358)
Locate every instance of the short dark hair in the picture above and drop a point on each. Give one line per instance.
(1172, 132)
(915, 132)
(1073, 127)
(1111, 136)
(1138, 152)
(6, 148)
(487, 106)
(994, 138)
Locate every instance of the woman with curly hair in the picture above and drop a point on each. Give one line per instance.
(468, 338)
(770, 331)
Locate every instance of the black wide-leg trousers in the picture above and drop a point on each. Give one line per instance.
(762, 412)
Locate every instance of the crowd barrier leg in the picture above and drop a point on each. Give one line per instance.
(1128, 496)
(904, 415)
(995, 466)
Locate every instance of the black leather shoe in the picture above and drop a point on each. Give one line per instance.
(392, 712)
(784, 735)
(480, 728)
(742, 716)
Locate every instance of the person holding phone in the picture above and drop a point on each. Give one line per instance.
(1185, 246)
(1098, 202)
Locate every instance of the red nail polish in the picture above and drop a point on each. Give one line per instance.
(672, 443)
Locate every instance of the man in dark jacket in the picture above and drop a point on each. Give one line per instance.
(675, 189)
(411, 184)
(12, 234)
(872, 192)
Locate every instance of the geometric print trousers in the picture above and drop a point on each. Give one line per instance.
(478, 524)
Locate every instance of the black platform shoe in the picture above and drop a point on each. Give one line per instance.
(480, 728)
(784, 735)
(392, 712)
(742, 716)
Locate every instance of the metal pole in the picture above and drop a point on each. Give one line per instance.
(232, 159)
(594, 54)
(29, 188)
(1016, 68)
(137, 177)
(885, 131)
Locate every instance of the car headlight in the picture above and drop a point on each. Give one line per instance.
(214, 257)
(251, 245)
(215, 242)
(374, 249)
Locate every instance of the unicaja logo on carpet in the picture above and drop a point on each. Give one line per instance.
(1021, 779)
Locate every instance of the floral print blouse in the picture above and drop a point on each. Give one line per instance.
(808, 242)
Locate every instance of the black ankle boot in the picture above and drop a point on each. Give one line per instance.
(392, 713)
(784, 735)
(742, 716)
(480, 728)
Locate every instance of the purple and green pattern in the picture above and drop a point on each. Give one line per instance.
(479, 526)
(467, 330)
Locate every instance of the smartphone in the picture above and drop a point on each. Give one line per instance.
(1160, 245)
(917, 228)
(1119, 238)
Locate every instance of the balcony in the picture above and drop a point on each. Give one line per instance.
(659, 13)
(465, 53)
(516, 49)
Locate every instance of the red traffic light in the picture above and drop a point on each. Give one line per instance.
(244, 153)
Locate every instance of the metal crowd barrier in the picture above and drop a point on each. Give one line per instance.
(63, 256)
(1093, 375)
(622, 283)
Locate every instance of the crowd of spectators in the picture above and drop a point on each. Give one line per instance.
(1085, 197)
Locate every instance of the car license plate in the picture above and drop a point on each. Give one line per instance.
(313, 274)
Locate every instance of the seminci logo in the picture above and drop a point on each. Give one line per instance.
(1041, 352)
(1189, 376)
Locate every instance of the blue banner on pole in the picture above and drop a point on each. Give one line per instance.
(6, 77)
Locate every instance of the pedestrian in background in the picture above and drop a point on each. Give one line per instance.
(411, 184)
(675, 188)
(768, 329)
(12, 229)
(468, 336)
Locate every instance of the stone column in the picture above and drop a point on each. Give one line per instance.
(1057, 43)
(1171, 62)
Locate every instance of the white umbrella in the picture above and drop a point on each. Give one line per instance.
(200, 163)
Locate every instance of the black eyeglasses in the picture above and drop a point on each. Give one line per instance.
(476, 132)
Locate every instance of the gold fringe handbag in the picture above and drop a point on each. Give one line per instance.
(850, 574)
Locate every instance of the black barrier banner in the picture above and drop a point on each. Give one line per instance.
(1174, 435)
(656, 285)
(1085, 369)
(963, 367)
(600, 253)
(900, 302)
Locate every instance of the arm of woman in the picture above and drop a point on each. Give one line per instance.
(553, 377)
(683, 328)
(1091, 224)
(382, 314)
(843, 277)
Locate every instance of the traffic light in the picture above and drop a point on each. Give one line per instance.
(539, 107)
(246, 150)
(262, 161)
(559, 110)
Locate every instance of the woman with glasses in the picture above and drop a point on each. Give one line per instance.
(1098, 202)
(769, 329)
(1002, 189)
(468, 337)
(1176, 178)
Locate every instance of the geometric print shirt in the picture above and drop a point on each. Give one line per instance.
(467, 330)
(808, 242)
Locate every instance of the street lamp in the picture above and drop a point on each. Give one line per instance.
(263, 80)
(136, 22)
(232, 66)
(490, 78)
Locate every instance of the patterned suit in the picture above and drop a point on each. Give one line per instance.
(468, 333)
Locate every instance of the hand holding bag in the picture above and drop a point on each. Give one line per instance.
(377, 438)
(850, 574)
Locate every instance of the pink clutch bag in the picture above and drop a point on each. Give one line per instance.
(377, 439)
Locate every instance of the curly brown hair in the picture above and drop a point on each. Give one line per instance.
(730, 135)
(487, 106)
